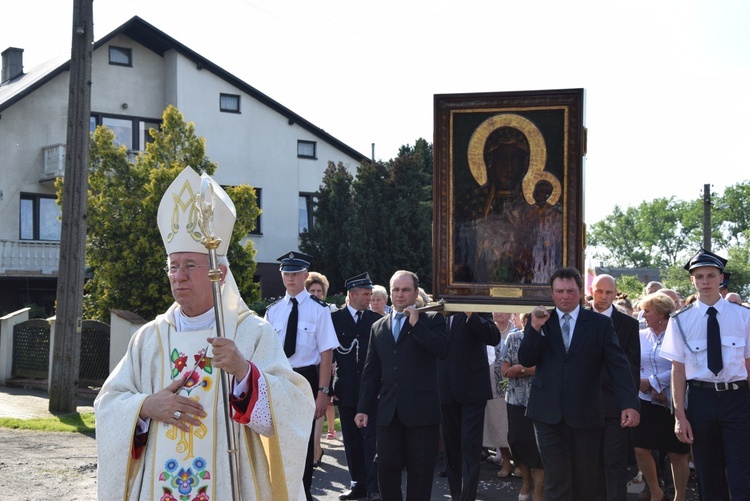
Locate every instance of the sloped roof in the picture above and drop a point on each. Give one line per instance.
(159, 42)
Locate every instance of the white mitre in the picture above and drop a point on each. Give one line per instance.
(178, 215)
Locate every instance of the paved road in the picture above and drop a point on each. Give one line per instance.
(329, 481)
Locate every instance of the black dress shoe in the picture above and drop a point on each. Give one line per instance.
(374, 496)
(355, 493)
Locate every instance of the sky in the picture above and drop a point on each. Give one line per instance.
(667, 82)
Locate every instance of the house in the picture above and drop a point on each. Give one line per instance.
(137, 72)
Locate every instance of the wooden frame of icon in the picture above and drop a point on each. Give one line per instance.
(508, 194)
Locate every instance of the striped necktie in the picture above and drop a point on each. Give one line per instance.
(566, 331)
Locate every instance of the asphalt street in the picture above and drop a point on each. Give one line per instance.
(331, 479)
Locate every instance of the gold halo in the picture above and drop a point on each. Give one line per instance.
(537, 155)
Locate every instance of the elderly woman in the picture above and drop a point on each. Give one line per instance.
(379, 300)
(317, 285)
(656, 430)
(521, 436)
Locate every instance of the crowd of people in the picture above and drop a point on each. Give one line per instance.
(564, 397)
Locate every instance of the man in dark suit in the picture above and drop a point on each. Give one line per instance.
(400, 377)
(464, 383)
(569, 346)
(616, 441)
(352, 324)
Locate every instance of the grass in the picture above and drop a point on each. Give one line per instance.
(66, 423)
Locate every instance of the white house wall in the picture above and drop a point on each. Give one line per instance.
(257, 146)
(141, 87)
(25, 128)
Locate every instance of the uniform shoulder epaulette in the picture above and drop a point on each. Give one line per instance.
(275, 302)
(684, 308)
(319, 301)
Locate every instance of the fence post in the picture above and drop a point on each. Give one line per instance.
(52, 324)
(122, 326)
(7, 325)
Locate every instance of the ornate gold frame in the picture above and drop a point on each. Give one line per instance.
(552, 123)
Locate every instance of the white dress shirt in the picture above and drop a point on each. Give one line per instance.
(687, 343)
(315, 332)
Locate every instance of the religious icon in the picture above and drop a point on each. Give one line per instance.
(507, 184)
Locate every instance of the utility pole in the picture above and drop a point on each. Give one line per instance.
(66, 344)
(707, 217)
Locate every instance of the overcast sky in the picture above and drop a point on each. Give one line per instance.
(667, 82)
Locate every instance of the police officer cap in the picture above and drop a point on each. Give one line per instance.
(294, 261)
(706, 258)
(725, 283)
(362, 280)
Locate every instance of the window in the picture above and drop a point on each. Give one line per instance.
(123, 130)
(144, 136)
(40, 217)
(257, 229)
(120, 56)
(131, 132)
(306, 220)
(306, 149)
(229, 103)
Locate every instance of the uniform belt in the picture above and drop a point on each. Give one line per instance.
(734, 385)
(306, 369)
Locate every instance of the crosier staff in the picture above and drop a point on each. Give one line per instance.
(204, 202)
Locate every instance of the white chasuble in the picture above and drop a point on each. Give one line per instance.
(194, 466)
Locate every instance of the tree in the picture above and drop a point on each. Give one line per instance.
(369, 242)
(410, 212)
(665, 233)
(381, 222)
(735, 218)
(329, 239)
(630, 285)
(124, 248)
(653, 235)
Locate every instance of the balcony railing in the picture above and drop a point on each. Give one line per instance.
(29, 257)
(54, 161)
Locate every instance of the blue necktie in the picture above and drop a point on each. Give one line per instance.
(398, 322)
(566, 331)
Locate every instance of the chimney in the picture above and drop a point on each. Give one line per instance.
(12, 64)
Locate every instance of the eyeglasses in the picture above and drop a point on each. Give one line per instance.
(186, 268)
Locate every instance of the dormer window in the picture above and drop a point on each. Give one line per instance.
(120, 56)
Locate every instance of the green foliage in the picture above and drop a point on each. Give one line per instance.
(329, 240)
(739, 267)
(630, 285)
(379, 222)
(653, 235)
(735, 217)
(124, 248)
(410, 212)
(664, 233)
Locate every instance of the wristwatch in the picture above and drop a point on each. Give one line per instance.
(325, 389)
(523, 370)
